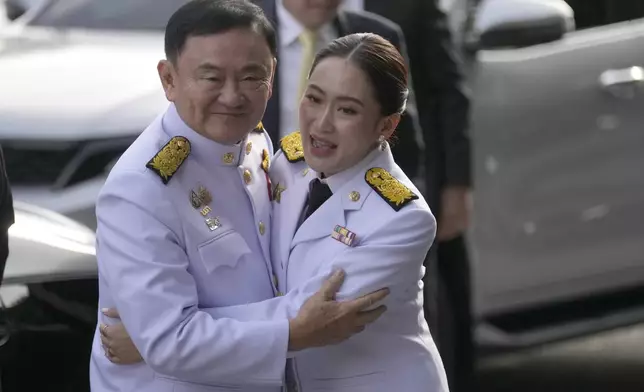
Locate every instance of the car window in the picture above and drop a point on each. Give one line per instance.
(592, 13)
(108, 14)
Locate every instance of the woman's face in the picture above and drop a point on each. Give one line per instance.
(340, 119)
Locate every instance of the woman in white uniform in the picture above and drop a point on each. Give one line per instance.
(340, 202)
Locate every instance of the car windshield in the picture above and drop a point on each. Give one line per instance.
(108, 14)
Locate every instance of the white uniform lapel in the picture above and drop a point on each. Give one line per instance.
(292, 203)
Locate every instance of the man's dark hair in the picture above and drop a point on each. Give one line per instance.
(381, 62)
(208, 17)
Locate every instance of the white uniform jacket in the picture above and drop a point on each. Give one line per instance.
(170, 243)
(396, 353)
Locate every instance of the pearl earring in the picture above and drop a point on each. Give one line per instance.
(382, 142)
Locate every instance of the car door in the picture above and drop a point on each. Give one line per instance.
(558, 136)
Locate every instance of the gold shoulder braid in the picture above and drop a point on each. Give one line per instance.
(292, 147)
(395, 193)
(169, 159)
(259, 128)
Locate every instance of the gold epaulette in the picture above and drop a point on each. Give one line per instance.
(259, 128)
(395, 193)
(292, 146)
(169, 159)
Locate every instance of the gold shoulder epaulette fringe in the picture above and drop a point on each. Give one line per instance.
(292, 146)
(394, 192)
(169, 159)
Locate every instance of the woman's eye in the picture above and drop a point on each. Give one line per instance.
(348, 111)
(312, 98)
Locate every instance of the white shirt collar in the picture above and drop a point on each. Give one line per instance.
(336, 181)
(290, 28)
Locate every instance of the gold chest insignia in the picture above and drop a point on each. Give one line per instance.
(395, 193)
(170, 158)
(259, 128)
(266, 160)
(292, 147)
(277, 192)
(200, 197)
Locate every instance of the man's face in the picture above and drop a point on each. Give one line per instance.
(221, 83)
(313, 13)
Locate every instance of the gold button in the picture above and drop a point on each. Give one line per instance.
(228, 158)
(354, 196)
(279, 294)
(275, 282)
(305, 172)
(262, 228)
(249, 147)
(247, 176)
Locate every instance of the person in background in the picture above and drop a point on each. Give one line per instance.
(303, 28)
(443, 109)
(7, 217)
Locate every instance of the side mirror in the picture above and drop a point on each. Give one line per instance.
(519, 23)
(13, 9)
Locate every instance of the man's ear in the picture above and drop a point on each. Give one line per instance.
(270, 85)
(168, 77)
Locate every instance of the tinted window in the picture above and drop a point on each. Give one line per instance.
(108, 14)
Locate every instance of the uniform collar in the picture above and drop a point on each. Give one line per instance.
(290, 28)
(338, 180)
(202, 148)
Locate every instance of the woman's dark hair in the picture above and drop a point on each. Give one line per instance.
(380, 60)
(209, 17)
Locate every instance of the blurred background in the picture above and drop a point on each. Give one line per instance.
(555, 261)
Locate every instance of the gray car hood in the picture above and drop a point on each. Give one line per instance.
(45, 246)
(78, 84)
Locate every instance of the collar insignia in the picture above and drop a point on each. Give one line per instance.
(259, 128)
(266, 160)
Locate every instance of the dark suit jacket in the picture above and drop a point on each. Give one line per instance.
(442, 103)
(407, 146)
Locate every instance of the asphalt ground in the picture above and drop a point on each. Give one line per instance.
(610, 362)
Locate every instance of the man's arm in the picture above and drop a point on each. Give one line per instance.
(390, 257)
(444, 105)
(146, 269)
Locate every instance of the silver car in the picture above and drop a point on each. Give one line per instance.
(557, 244)
(48, 302)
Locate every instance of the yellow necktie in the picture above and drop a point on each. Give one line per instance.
(307, 39)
